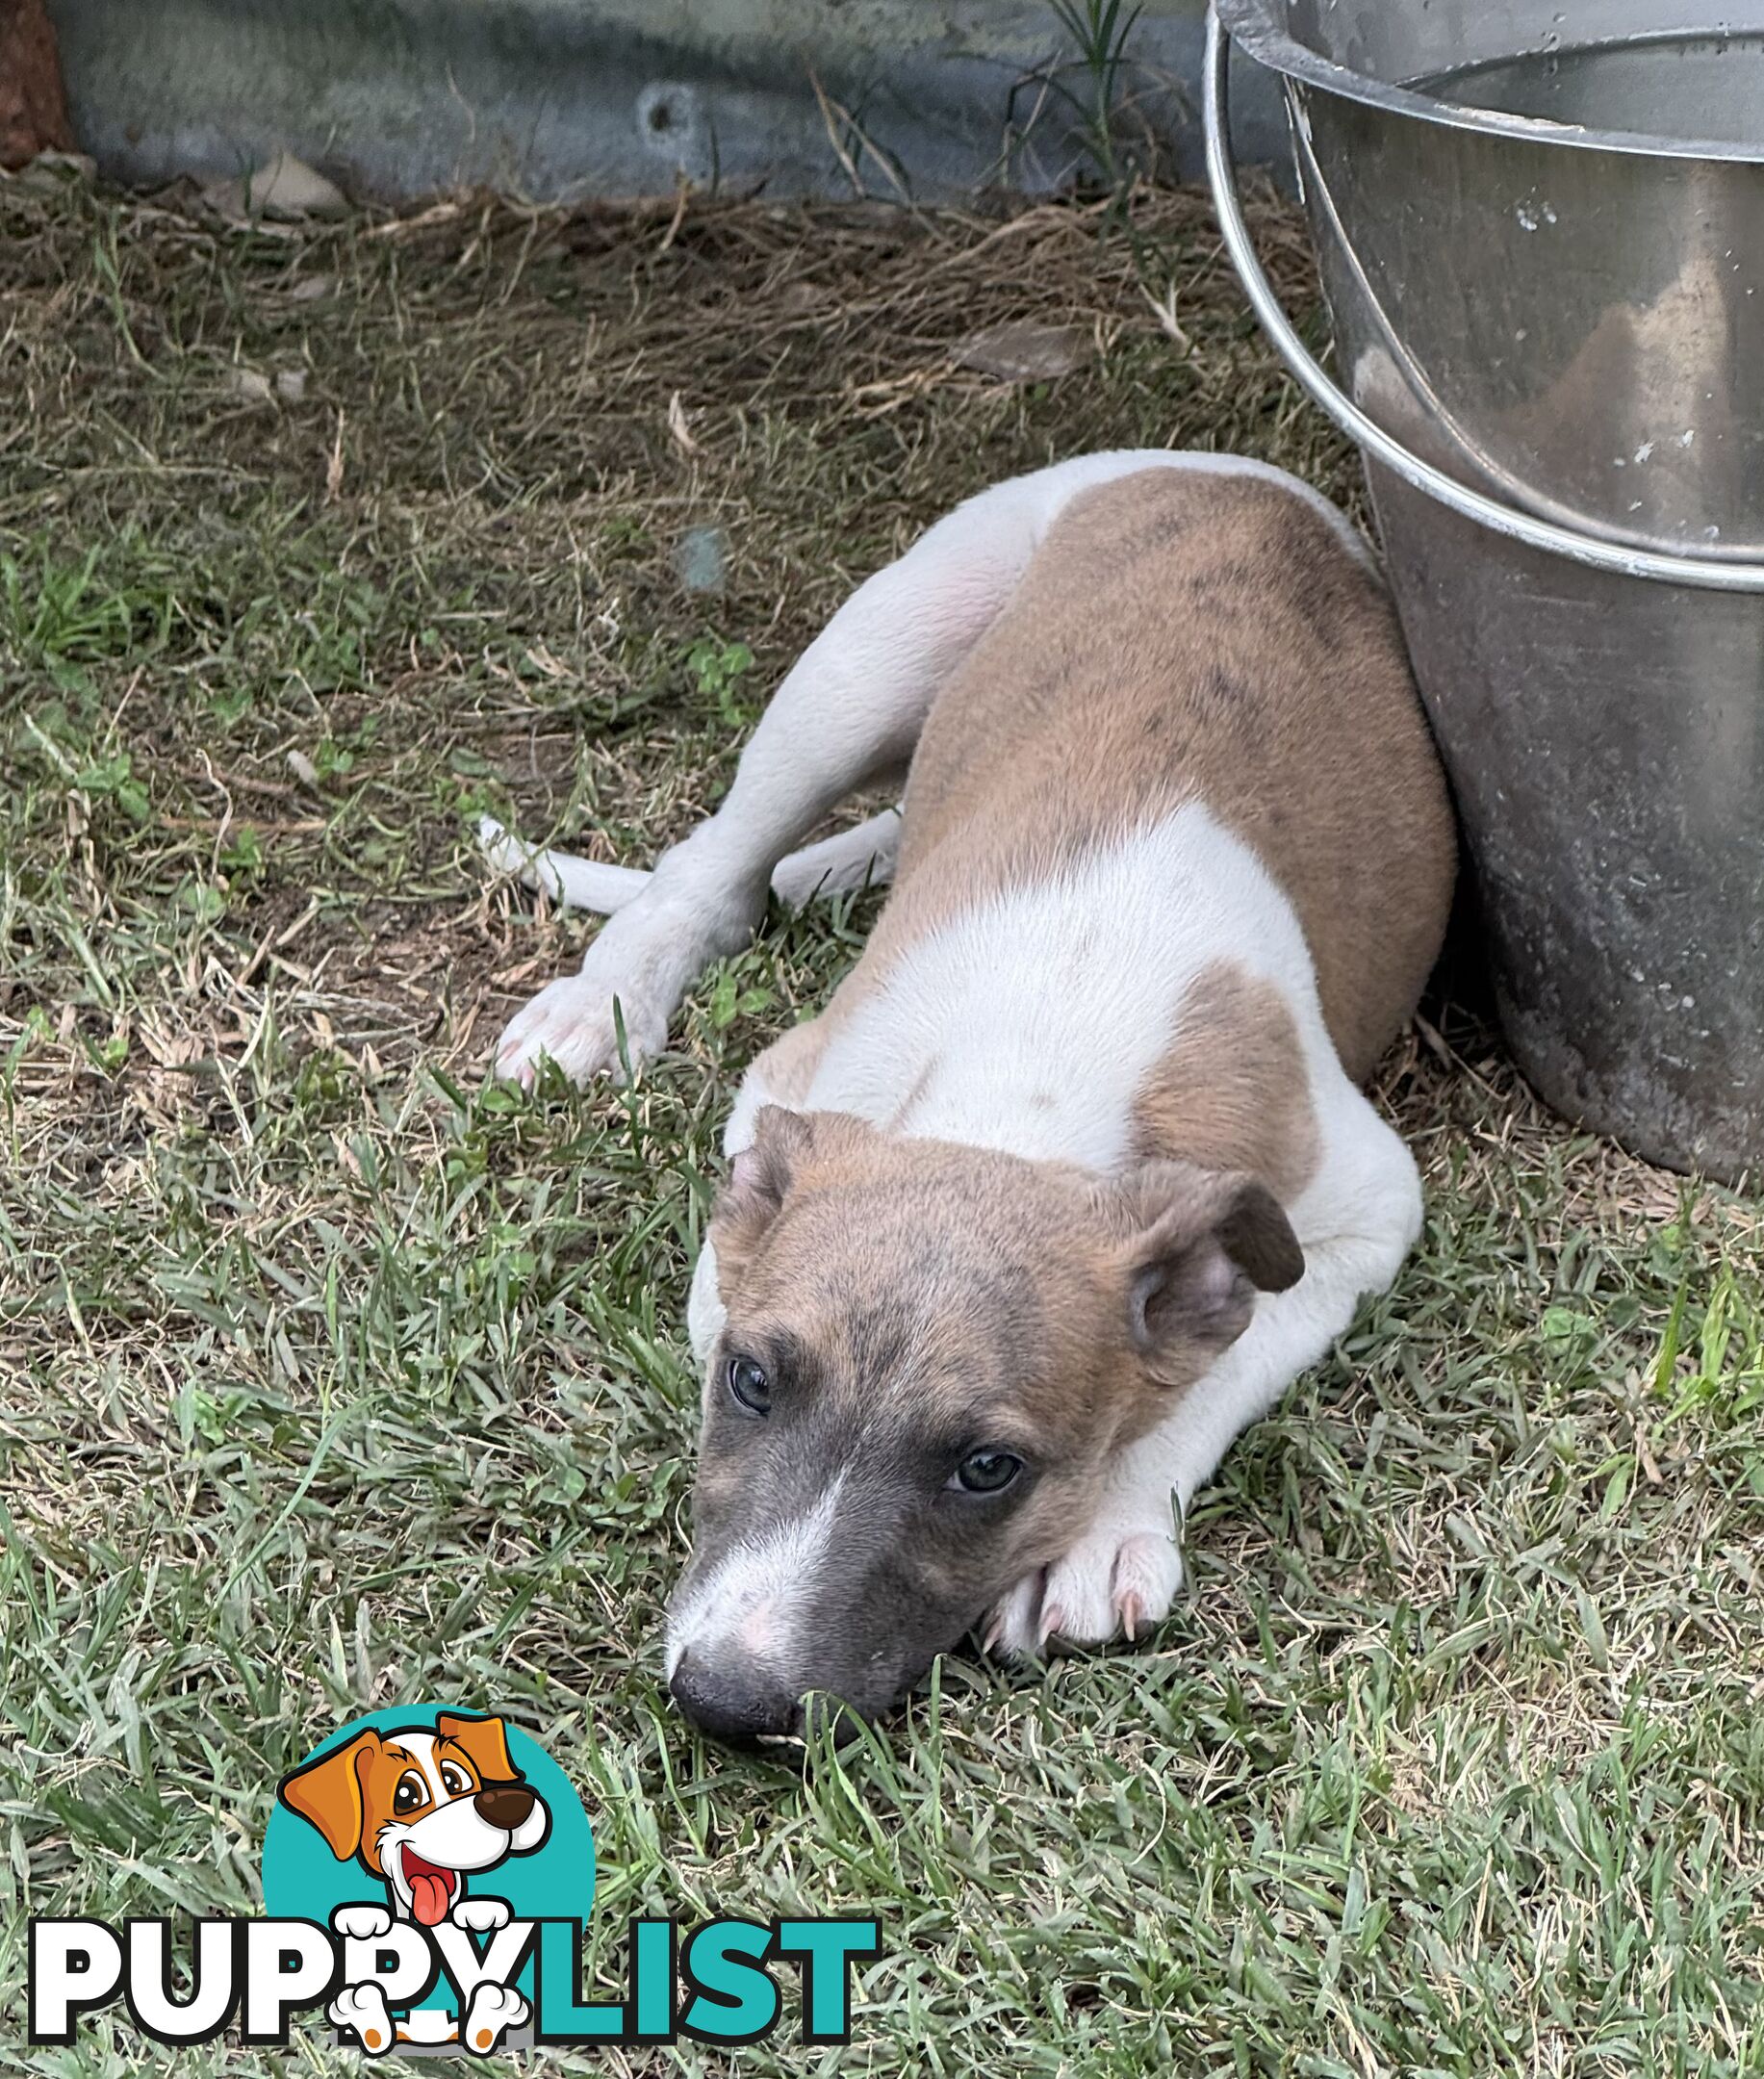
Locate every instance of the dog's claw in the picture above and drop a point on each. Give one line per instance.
(1115, 1582)
(1011, 1630)
(480, 1915)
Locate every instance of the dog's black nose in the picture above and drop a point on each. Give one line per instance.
(731, 1703)
(504, 1805)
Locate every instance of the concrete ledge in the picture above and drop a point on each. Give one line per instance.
(557, 99)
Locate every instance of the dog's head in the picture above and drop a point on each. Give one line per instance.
(421, 1807)
(929, 1355)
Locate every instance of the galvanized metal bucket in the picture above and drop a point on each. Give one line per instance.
(1540, 235)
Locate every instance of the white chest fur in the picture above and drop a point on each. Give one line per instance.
(1030, 1020)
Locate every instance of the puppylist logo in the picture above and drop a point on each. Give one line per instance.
(428, 1877)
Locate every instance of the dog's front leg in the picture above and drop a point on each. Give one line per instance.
(849, 712)
(1124, 1574)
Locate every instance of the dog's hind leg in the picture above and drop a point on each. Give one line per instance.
(858, 857)
(850, 710)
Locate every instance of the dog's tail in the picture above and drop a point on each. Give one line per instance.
(859, 857)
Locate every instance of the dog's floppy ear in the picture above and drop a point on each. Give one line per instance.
(762, 1174)
(328, 1793)
(485, 1741)
(1205, 1242)
(784, 1143)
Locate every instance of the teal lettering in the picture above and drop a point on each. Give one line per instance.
(735, 1998)
(826, 1948)
(561, 2016)
(652, 1979)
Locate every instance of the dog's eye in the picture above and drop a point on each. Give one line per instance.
(453, 1780)
(986, 1472)
(750, 1385)
(411, 1792)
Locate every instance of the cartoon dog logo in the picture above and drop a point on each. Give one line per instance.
(423, 1808)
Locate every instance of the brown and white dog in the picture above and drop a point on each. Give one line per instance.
(1074, 1174)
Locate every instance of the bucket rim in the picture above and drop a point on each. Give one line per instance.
(1257, 27)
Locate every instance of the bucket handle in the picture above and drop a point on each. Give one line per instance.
(1704, 572)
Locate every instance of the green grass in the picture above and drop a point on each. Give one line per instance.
(333, 1377)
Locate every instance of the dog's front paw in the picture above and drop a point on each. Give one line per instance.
(1013, 1629)
(1121, 1578)
(480, 1915)
(362, 1923)
(494, 2010)
(361, 2010)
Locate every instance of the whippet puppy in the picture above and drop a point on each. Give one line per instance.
(1073, 1174)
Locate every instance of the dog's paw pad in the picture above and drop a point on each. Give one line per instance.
(480, 1915)
(363, 2011)
(1112, 1581)
(362, 1923)
(494, 2011)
